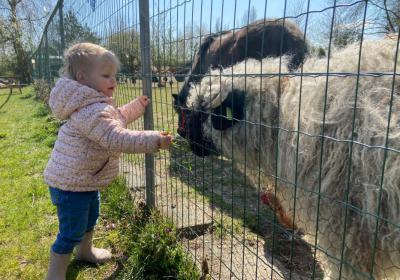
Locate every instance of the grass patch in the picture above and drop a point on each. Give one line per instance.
(154, 251)
(157, 255)
(27, 96)
(42, 111)
(28, 223)
(46, 132)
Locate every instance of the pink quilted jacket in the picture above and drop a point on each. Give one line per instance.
(85, 155)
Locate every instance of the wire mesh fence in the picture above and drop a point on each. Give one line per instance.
(286, 114)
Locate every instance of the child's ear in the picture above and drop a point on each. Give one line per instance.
(80, 77)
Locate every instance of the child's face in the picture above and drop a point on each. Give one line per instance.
(102, 77)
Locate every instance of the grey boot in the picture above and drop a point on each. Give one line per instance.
(86, 252)
(58, 266)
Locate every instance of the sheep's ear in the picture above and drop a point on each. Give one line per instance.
(230, 112)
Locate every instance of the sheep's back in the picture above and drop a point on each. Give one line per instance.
(354, 157)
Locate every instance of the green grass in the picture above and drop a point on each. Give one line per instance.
(154, 251)
(164, 116)
(28, 223)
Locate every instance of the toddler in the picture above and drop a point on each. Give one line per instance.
(85, 156)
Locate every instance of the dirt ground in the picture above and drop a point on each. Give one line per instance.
(221, 220)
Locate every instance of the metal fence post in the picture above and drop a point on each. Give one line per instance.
(146, 80)
(46, 58)
(61, 15)
(39, 62)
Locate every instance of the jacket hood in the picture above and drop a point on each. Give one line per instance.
(68, 95)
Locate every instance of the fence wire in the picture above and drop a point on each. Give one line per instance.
(286, 116)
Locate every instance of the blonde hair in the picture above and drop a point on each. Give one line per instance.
(81, 56)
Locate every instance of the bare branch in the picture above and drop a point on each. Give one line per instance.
(33, 19)
(387, 10)
(5, 9)
(388, 16)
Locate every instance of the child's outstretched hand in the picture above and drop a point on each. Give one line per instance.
(144, 100)
(165, 140)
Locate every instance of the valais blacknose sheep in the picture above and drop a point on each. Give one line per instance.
(320, 144)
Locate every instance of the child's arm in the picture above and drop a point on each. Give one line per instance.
(98, 125)
(134, 109)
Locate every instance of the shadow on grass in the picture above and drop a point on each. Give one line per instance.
(26, 96)
(231, 192)
(117, 271)
(76, 266)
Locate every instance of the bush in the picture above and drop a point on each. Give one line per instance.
(321, 52)
(42, 90)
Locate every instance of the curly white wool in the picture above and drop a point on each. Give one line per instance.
(322, 180)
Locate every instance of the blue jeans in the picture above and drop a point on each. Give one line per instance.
(77, 214)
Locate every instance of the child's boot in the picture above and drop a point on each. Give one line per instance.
(58, 266)
(86, 252)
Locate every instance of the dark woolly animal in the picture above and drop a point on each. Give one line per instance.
(257, 40)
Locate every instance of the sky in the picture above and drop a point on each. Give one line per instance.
(231, 11)
(269, 8)
(183, 14)
(205, 11)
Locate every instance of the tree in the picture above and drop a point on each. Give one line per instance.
(217, 25)
(382, 17)
(296, 8)
(15, 17)
(49, 58)
(186, 46)
(7, 62)
(249, 16)
(75, 32)
(389, 13)
(126, 45)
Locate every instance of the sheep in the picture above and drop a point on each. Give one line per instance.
(317, 146)
(259, 39)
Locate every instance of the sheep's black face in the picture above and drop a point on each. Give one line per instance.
(223, 117)
(181, 108)
(199, 143)
(190, 127)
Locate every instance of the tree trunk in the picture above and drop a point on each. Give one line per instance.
(23, 65)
